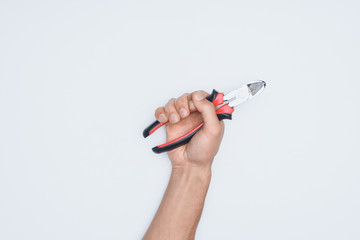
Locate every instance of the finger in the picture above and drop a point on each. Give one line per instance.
(192, 107)
(182, 105)
(191, 102)
(170, 111)
(160, 115)
(208, 112)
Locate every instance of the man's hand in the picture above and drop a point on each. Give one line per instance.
(180, 209)
(183, 114)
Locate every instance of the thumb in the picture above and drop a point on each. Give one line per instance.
(207, 110)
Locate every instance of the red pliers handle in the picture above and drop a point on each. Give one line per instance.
(224, 112)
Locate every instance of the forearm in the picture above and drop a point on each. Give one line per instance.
(181, 207)
(182, 204)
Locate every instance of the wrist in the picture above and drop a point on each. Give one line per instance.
(189, 170)
(181, 162)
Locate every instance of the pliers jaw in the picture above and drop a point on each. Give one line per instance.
(256, 87)
(244, 93)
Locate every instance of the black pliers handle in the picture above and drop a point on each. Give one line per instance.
(224, 112)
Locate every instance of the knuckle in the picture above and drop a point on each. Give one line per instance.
(181, 102)
(159, 110)
(193, 93)
(204, 93)
(170, 109)
(171, 101)
(185, 95)
(170, 104)
(160, 114)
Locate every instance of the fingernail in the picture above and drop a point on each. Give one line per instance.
(183, 112)
(191, 105)
(162, 117)
(198, 96)
(174, 118)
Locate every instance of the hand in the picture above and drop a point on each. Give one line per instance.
(185, 113)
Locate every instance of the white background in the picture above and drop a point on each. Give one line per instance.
(79, 80)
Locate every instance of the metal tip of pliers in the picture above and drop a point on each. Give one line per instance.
(256, 87)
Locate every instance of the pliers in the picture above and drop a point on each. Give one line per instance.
(225, 107)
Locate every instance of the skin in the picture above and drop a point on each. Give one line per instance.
(180, 210)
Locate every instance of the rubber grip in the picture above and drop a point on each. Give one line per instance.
(212, 96)
(224, 112)
(152, 128)
(216, 98)
(184, 139)
(222, 116)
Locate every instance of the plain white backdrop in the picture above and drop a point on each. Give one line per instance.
(80, 80)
